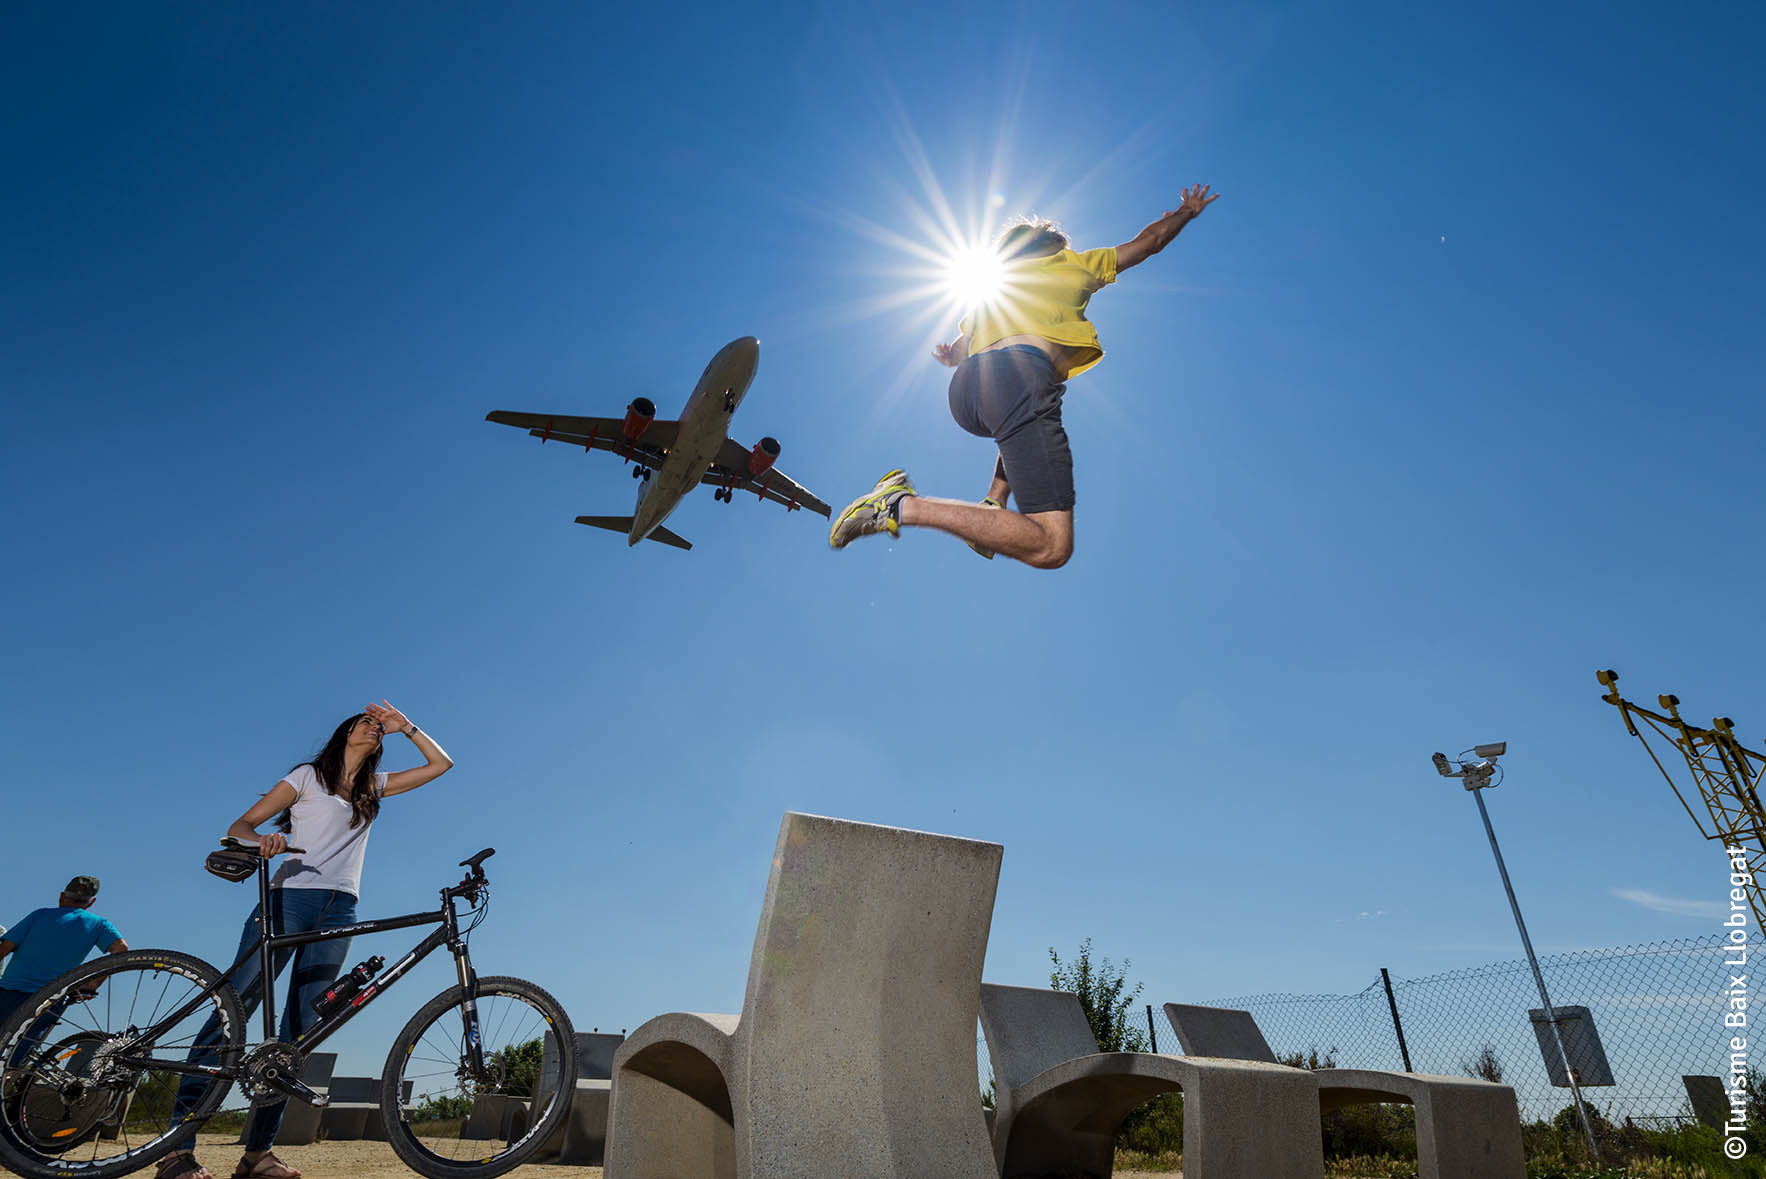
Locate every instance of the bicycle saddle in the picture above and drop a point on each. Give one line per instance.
(478, 859)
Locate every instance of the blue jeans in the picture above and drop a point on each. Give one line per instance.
(11, 1001)
(316, 966)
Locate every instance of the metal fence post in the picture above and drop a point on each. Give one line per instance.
(1152, 1033)
(1396, 1026)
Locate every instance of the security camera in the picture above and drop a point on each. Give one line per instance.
(1441, 765)
(1494, 749)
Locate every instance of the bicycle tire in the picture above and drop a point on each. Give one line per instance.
(442, 1041)
(31, 1156)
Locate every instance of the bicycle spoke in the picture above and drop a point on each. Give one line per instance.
(75, 1108)
(471, 1124)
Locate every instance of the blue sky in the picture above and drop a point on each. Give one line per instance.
(1447, 402)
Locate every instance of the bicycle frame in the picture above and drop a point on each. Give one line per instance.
(269, 942)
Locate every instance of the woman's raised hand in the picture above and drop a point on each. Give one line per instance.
(946, 354)
(391, 720)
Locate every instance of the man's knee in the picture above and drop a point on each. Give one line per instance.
(1053, 554)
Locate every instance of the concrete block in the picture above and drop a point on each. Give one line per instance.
(581, 1139)
(494, 1115)
(1060, 1102)
(854, 1047)
(1465, 1128)
(343, 1123)
(355, 1090)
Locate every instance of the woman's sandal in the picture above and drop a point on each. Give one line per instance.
(182, 1164)
(268, 1166)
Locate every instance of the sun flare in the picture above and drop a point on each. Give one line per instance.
(974, 275)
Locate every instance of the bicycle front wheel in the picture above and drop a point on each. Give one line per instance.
(81, 1094)
(454, 1114)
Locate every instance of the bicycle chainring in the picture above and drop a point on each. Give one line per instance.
(264, 1066)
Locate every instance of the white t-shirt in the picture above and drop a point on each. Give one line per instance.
(334, 849)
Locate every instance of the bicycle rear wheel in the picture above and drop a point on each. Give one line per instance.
(449, 1119)
(77, 1098)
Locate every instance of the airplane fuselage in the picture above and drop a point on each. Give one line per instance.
(704, 424)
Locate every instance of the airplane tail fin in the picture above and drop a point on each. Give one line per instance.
(623, 525)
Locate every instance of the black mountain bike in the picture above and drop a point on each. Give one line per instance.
(91, 1064)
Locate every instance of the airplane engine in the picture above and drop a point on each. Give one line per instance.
(766, 452)
(638, 416)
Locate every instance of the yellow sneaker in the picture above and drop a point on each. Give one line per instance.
(989, 502)
(877, 510)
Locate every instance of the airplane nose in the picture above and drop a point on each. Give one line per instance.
(745, 351)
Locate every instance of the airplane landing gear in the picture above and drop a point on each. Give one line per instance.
(641, 473)
(724, 494)
(729, 401)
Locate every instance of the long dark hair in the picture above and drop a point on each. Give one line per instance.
(328, 768)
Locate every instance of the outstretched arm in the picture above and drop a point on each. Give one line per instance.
(436, 762)
(1160, 233)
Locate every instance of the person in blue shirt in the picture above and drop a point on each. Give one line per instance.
(50, 941)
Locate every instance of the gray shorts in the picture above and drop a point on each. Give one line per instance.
(1011, 396)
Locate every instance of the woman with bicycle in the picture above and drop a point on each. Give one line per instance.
(326, 807)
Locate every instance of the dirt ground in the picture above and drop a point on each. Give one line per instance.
(375, 1160)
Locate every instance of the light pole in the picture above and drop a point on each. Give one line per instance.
(1476, 776)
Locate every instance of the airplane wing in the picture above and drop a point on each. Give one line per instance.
(731, 470)
(593, 433)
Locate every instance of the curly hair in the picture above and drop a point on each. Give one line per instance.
(1031, 237)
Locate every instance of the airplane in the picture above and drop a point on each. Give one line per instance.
(673, 457)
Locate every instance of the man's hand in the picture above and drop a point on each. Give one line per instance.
(950, 355)
(1158, 235)
(1195, 199)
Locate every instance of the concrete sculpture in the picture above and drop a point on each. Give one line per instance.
(1060, 1101)
(1465, 1129)
(853, 1053)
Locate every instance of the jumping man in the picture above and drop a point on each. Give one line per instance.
(1013, 357)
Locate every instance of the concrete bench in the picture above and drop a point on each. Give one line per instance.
(1465, 1128)
(354, 1113)
(581, 1138)
(854, 1051)
(496, 1116)
(1060, 1102)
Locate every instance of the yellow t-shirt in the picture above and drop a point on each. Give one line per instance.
(1046, 297)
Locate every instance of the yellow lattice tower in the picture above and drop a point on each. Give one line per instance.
(1726, 773)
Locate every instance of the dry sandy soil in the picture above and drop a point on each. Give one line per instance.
(375, 1160)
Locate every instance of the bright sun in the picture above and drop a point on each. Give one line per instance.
(973, 275)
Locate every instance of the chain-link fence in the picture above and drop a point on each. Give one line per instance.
(1659, 1010)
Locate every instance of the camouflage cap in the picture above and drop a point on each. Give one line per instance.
(83, 887)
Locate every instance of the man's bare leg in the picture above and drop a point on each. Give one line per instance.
(1043, 540)
(999, 491)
